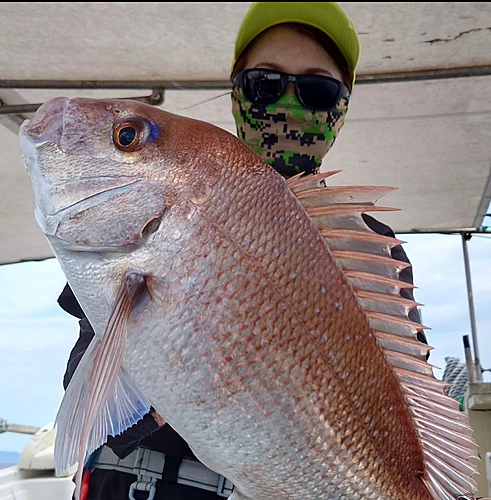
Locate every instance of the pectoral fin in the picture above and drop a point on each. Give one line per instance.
(101, 400)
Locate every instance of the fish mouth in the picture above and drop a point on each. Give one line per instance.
(76, 226)
(47, 125)
(49, 219)
(87, 192)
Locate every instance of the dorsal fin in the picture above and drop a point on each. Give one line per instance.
(344, 239)
(365, 257)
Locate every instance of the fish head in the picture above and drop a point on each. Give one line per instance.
(113, 164)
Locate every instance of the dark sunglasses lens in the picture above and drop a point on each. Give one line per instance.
(263, 87)
(318, 93)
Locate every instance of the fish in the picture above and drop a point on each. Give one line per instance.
(260, 317)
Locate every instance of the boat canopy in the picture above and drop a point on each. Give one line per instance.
(419, 117)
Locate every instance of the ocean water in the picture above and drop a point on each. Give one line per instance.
(8, 458)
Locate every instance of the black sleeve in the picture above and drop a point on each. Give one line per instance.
(69, 303)
(406, 275)
(124, 443)
(86, 336)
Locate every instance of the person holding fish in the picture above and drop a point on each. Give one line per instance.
(292, 75)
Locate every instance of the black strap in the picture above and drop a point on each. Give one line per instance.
(171, 469)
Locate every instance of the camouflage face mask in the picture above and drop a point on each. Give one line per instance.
(288, 136)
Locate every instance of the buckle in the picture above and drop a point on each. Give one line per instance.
(151, 491)
(222, 486)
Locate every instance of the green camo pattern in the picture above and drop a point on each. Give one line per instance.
(288, 136)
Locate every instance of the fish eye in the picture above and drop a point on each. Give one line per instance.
(131, 134)
(126, 136)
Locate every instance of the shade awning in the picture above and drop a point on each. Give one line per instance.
(431, 138)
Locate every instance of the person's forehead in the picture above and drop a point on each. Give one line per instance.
(287, 49)
(283, 34)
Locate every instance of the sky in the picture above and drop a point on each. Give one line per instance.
(37, 335)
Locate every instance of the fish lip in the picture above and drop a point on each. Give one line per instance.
(48, 123)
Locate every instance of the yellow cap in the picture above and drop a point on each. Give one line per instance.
(327, 17)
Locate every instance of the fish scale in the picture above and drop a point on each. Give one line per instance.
(262, 319)
(303, 355)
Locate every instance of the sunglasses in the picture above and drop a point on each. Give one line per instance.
(266, 86)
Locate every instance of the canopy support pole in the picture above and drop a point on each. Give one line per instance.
(477, 363)
(20, 429)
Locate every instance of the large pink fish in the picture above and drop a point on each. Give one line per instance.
(261, 318)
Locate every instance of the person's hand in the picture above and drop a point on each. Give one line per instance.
(160, 421)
